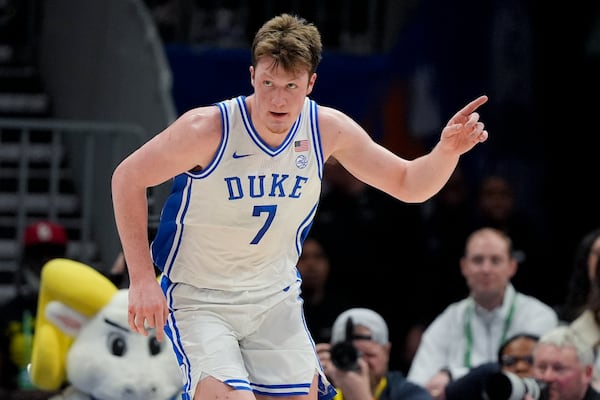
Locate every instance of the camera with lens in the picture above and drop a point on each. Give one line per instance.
(509, 386)
(343, 354)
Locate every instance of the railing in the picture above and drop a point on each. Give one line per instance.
(60, 170)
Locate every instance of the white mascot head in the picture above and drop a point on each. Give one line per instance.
(103, 358)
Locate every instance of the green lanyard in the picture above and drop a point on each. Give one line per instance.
(469, 332)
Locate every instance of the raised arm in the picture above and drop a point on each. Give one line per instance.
(408, 180)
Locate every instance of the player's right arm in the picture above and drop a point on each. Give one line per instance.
(190, 142)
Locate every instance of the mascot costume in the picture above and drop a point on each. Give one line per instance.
(83, 343)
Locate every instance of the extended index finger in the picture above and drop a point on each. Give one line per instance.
(473, 105)
(463, 114)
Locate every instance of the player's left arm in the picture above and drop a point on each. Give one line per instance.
(408, 180)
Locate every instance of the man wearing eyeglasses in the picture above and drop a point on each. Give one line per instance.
(515, 356)
(470, 332)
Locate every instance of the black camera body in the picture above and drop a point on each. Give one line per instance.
(343, 354)
(509, 386)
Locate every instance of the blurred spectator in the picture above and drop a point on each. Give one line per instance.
(583, 276)
(412, 339)
(469, 332)
(514, 356)
(42, 242)
(497, 208)
(349, 222)
(587, 324)
(118, 272)
(171, 19)
(357, 360)
(322, 302)
(565, 363)
(447, 220)
(352, 215)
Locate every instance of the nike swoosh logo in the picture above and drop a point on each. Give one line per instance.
(236, 155)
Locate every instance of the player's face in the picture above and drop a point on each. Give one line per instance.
(278, 96)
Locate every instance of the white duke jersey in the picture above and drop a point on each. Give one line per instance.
(239, 223)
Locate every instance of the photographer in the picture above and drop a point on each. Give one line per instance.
(514, 356)
(357, 360)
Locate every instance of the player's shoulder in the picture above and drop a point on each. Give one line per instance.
(330, 114)
(211, 110)
(333, 120)
(201, 117)
(197, 126)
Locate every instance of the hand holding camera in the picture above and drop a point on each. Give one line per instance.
(343, 354)
(344, 367)
(354, 383)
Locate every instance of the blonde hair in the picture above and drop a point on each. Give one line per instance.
(290, 42)
(564, 336)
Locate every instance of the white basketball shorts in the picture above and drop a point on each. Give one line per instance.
(254, 341)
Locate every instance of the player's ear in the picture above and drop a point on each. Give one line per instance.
(252, 75)
(311, 83)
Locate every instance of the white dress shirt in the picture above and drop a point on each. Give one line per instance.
(466, 335)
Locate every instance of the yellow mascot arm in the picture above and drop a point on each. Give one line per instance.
(82, 288)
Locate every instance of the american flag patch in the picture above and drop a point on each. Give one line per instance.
(301, 145)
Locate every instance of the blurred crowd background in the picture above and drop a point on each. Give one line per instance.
(401, 69)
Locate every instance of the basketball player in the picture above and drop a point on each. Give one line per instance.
(246, 182)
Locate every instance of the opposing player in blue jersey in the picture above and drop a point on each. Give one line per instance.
(246, 182)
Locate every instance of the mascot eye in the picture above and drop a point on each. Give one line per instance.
(154, 346)
(116, 344)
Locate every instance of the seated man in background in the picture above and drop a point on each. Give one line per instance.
(469, 332)
(564, 362)
(357, 360)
